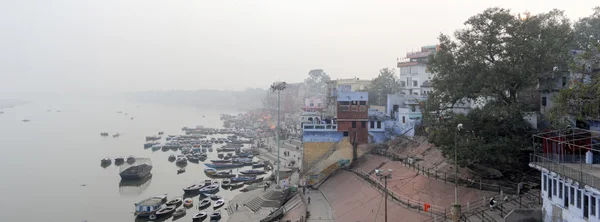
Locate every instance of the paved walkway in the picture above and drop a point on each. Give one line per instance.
(319, 207)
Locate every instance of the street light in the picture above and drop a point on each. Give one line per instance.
(456, 206)
(385, 176)
(278, 86)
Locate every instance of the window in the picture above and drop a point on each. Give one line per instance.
(344, 102)
(363, 103)
(572, 196)
(312, 104)
(414, 69)
(378, 124)
(363, 124)
(554, 187)
(402, 83)
(564, 81)
(372, 124)
(404, 70)
(415, 83)
(353, 124)
(579, 198)
(560, 188)
(403, 119)
(544, 101)
(544, 180)
(593, 203)
(354, 103)
(346, 134)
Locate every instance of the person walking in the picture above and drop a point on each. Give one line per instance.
(308, 200)
(236, 207)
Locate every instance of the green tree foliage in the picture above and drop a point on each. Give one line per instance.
(496, 59)
(385, 83)
(316, 83)
(587, 31)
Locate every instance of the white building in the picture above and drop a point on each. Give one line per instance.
(570, 188)
(414, 76)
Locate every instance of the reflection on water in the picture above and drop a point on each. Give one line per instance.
(134, 187)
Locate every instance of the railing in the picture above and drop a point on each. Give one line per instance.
(565, 171)
(319, 127)
(433, 211)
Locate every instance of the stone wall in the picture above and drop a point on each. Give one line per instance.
(314, 151)
(322, 136)
(340, 157)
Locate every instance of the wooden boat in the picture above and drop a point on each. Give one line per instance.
(258, 165)
(210, 189)
(255, 180)
(226, 183)
(242, 179)
(181, 170)
(200, 216)
(119, 160)
(210, 171)
(204, 204)
(219, 203)
(166, 210)
(215, 215)
(176, 201)
(179, 213)
(227, 174)
(223, 165)
(252, 172)
(105, 161)
(193, 188)
(234, 186)
(215, 197)
(220, 161)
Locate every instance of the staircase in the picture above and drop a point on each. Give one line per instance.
(527, 200)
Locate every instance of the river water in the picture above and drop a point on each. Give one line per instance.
(50, 167)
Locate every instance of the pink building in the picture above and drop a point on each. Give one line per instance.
(313, 104)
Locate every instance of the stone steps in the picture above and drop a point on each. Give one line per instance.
(255, 204)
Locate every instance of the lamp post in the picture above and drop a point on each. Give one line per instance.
(278, 86)
(385, 179)
(456, 207)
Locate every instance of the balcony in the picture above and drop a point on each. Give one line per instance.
(586, 174)
(319, 127)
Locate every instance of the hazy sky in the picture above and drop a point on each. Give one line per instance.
(127, 45)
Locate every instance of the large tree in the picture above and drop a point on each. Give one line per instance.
(316, 83)
(587, 31)
(385, 83)
(494, 60)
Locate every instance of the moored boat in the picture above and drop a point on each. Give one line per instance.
(222, 166)
(220, 161)
(165, 210)
(136, 171)
(119, 160)
(236, 185)
(200, 216)
(105, 161)
(116, 135)
(148, 207)
(215, 215)
(175, 201)
(192, 188)
(255, 180)
(130, 159)
(242, 179)
(219, 203)
(252, 172)
(172, 157)
(204, 204)
(226, 183)
(213, 188)
(258, 165)
(227, 174)
(104, 134)
(179, 213)
(210, 171)
(181, 170)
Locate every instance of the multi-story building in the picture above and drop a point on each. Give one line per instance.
(353, 115)
(415, 79)
(342, 85)
(570, 174)
(313, 104)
